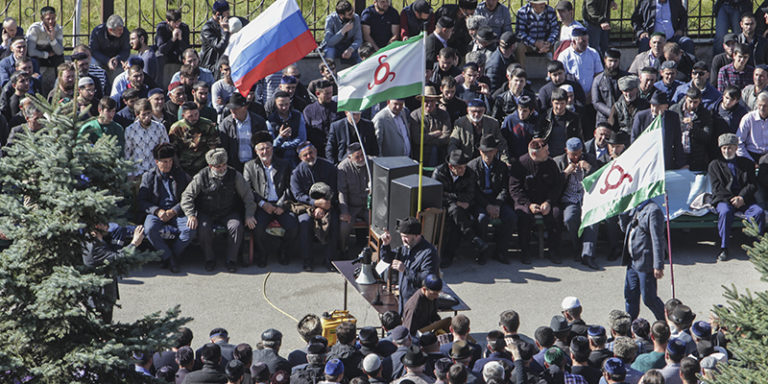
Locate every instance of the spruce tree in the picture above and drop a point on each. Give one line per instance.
(54, 189)
(744, 317)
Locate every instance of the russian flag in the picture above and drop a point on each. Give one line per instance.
(278, 37)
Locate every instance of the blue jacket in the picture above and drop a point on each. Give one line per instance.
(644, 229)
(7, 68)
(419, 261)
(149, 191)
(304, 176)
(710, 97)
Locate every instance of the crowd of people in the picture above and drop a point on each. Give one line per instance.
(675, 349)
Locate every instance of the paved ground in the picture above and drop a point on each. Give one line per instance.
(236, 301)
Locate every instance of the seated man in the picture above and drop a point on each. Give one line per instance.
(668, 17)
(193, 136)
(160, 198)
(132, 77)
(141, 137)
(18, 52)
(445, 65)
(700, 79)
(738, 72)
(733, 189)
(535, 184)
(752, 143)
(597, 146)
(414, 16)
(421, 309)
(575, 165)
(626, 107)
(45, 42)
(392, 126)
(103, 124)
(496, 67)
(460, 39)
(491, 203)
(86, 98)
(652, 57)
(343, 34)
(287, 126)
(212, 199)
(648, 77)
(353, 192)
(559, 124)
(471, 127)
(192, 58)
(557, 77)
(415, 260)
(16, 90)
(537, 29)
(314, 185)
(668, 83)
(695, 129)
(270, 179)
(127, 115)
(437, 128)
(380, 24)
(65, 89)
(448, 101)
(110, 45)
(759, 85)
(238, 130)
(342, 134)
(458, 195)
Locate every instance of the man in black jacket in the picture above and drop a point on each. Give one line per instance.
(160, 198)
(270, 180)
(272, 339)
(605, 86)
(342, 133)
(695, 129)
(733, 189)
(240, 151)
(644, 21)
(491, 196)
(215, 36)
(624, 109)
(557, 77)
(674, 157)
(458, 197)
(559, 124)
(211, 357)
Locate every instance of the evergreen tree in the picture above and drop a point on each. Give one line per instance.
(745, 319)
(54, 189)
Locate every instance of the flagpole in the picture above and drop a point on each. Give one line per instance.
(669, 246)
(421, 140)
(354, 124)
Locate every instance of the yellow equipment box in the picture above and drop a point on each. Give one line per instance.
(329, 322)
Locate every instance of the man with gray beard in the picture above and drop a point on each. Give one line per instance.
(353, 191)
(624, 110)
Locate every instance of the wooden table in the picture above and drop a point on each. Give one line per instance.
(388, 299)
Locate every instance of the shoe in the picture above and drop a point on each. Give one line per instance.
(479, 244)
(590, 262)
(723, 256)
(525, 258)
(501, 257)
(553, 257)
(210, 265)
(175, 269)
(231, 267)
(307, 268)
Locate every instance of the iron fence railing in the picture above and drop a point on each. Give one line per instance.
(148, 13)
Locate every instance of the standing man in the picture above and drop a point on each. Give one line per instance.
(238, 129)
(171, 39)
(142, 136)
(353, 192)
(674, 155)
(139, 41)
(597, 17)
(537, 29)
(758, 86)
(415, 259)
(288, 128)
(215, 35)
(211, 200)
(437, 128)
(392, 127)
(605, 86)
(644, 257)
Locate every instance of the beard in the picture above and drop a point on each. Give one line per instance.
(611, 72)
(218, 174)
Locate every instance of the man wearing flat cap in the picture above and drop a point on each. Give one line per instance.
(271, 339)
(312, 371)
(215, 35)
(668, 83)
(733, 189)
(237, 131)
(605, 86)
(415, 259)
(353, 192)
(460, 39)
(700, 79)
(459, 184)
(695, 129)
(160, 198)
(624, 109)
(491, 203)
(421, 309)
(535, 184)
(193, 136)
(674, 156)
(213, 198)
(470, 128)
(307, 187)
(270, 180)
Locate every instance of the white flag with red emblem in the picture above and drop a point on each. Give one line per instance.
(634, 177)
(393, 72)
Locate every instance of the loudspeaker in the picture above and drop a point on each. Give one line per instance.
(404, 198)
(386, 169)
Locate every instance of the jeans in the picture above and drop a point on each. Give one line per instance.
(287, 221)
(598, 38)
(685, 42)
(572, 221)
(641, 283)
(725, 216)
(728, 17)
(152, 227)
(332, 53)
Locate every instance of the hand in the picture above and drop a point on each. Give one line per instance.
(737, 201)
(493, 210)
(138, 236)
(345, 217)
(539, 44)
(386, 238)
(51, 32)
(643, 35)
(398, 265)
(278, 211)
(347, 53)
(219, 101)
(268, 208)
(192, 222)
(285, 132)
(318, 213)
(545, 208)
(114, 63)
(585, 165)
(347, 27)
(606, 26)
(224, 23)
(534, 208)
(462, 204)
(250, 222)
(323, 203)
(570, 168)
(176, 34)
(658, 273)
(547, 47)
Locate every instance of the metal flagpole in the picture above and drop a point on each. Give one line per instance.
(421, 139)
(669, 246)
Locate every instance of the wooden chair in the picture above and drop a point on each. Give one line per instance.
(432, 226)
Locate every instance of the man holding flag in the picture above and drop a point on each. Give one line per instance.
(624, 187)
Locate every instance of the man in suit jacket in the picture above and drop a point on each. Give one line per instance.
(392, 127)
(644, 257)
(211, 357)
(674, 157)
(438, 39)
(272, 339)
(597, 146)
(474, 125)
(342, 133)
(160, 198)
(239, 151)
(734, 184)
(270, 180)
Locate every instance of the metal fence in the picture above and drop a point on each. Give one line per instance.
(148, 13)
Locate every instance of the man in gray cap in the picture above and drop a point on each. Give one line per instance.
(624, 109)
(674, 157)
(212, 199)
(733, 189)
(668, 83)
(421, 309)
(353, 192)
(576, 164)
(695, 129)
(271, 339)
